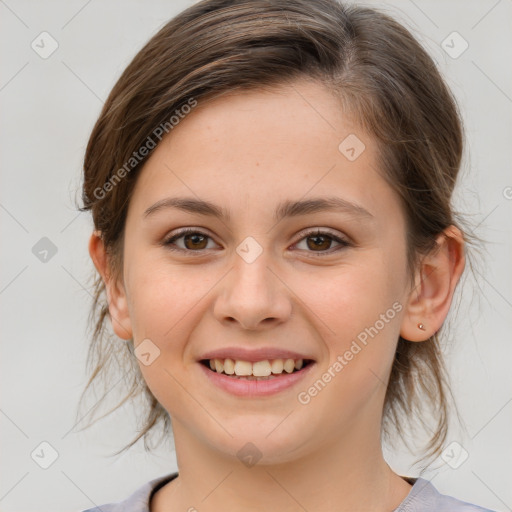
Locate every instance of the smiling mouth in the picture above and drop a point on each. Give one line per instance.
(259, 370)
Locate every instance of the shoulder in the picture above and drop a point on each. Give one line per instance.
(139, 500)
(424, 497)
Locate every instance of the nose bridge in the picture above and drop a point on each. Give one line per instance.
(251, 273)
(252, 293)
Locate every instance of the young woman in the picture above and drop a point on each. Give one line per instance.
(270, 183)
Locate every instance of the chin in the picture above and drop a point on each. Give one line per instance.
(252, 444)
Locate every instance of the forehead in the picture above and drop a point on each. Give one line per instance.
(254, 148)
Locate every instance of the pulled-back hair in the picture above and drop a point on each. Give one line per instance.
(386, 83)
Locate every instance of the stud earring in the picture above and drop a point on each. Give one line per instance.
(422, 327)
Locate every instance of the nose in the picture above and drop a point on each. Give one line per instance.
(253, 295)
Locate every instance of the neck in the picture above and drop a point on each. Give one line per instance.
(343, 476)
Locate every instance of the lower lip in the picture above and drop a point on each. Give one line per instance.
(250, 388)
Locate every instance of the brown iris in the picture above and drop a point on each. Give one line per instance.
(196, 239)
(323, 245)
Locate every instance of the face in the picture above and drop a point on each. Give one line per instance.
(326, 284)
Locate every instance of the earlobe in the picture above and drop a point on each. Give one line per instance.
(436, 279)
(116, 296)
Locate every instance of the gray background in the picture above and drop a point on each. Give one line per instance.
(48, 109)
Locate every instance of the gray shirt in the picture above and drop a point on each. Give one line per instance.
(423, 497)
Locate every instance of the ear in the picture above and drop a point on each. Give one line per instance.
(435, 281)
(116, 296)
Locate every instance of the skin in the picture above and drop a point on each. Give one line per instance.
(247, 152)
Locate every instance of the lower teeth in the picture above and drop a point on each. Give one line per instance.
(252, 377)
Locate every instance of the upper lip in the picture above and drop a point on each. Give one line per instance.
(253, 355)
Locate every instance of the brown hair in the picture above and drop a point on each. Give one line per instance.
(385, 80)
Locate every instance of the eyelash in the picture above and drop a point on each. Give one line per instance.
(169, 242)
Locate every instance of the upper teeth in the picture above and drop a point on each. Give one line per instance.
(257, 369)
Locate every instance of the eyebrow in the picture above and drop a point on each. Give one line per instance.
(285, 209)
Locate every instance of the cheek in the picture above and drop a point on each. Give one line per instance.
(356, 309)
(351, 297)
(166, 305)
(162, 297)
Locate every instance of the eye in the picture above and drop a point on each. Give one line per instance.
(193, 240)
(322, 240)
